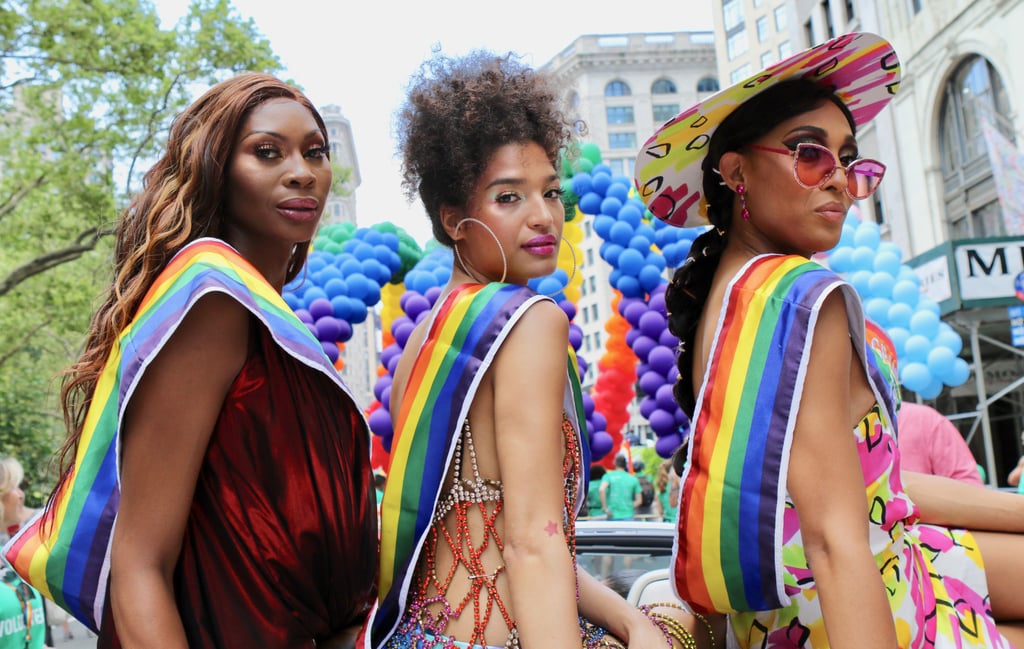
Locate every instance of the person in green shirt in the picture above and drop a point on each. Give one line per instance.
(594, 508)
(620, 492)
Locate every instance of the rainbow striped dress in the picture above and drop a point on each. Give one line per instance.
(64, 551)
(462, 339)
(738, 549)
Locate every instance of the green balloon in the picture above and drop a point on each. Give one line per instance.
(590, 151)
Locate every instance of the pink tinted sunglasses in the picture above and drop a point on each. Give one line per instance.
(814, 164)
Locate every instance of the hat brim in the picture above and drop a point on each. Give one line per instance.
(862, 68)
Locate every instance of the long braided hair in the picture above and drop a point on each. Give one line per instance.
(688, 291)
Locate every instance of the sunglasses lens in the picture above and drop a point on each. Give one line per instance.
(863, 177)
(813, 164)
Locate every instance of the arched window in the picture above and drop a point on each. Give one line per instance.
(974, 96)
(617, 89)
(707, 84)
(663, 87)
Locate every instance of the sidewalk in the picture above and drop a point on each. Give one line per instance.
(82, 637)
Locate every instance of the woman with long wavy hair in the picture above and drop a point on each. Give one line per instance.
(243, 513)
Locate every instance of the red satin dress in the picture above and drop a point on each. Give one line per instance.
(280, 548)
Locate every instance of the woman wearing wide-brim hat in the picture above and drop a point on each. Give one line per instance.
(808, 535)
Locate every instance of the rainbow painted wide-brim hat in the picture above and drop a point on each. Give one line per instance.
(862, 68)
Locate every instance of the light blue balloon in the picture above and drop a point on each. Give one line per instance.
(880, 284)
(861, 282)
(948, 337)
(841, 260)
(877, 309)
(932, 390)
(940, 362)
(863, 258)
(888, 263)
(867, 235)
(925, 323)
(925, 303)
(907, 273)
(960, 373)
(846, 238)
(898, 335)
(916, 348)
(891, 247)
(906, 292)
(915, 376)
(899, 315)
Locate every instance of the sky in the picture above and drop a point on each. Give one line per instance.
(360, 55)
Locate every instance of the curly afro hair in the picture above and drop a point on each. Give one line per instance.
(459, 111)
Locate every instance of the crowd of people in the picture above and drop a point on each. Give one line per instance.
(218, 436)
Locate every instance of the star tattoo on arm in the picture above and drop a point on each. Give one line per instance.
(551, 528)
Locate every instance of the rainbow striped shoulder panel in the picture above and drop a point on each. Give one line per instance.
(728, 549)
(463, 336)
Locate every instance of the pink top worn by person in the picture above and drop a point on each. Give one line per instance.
(930, 443)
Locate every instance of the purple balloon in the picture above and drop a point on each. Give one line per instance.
(380, 385)
(598, 422)
(401, 332)
(668, 339)
(432, 294)
(652, 324)
(569, 308)
(385, 398)
(416, 305)
(331, 350)
(650, 382)
(575, 336)
(583, 365)
(633, 312)
(320, 307)
(643, 346)
(647, 406)
(328, 329)
(662, 422)
(345, 331)
(666, 400)
(657, 302)
(391, 350)
(600, 444)
(661, 359)
(681, 419)
(667, 444)
(380, 423)
(588, 405)
(305, 316)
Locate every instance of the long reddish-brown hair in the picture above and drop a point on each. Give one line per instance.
(182, 199)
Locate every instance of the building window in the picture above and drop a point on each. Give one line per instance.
(974, 96)
(619, 114)
(615, 164)
(762, 29)
(587, 228)
(664, 112)
(830, 28)
(915, 6)
(593, 283)
(663, 87)
(736, 44)
(780, 18)
(707, 84)
(574, 99)
(767, 58)
(758, 3)
(593, 312)
(785, 50)
(740, 73)
(617, 89)
(851, 11)
(622, 140)
(590, 256)
(732, 13)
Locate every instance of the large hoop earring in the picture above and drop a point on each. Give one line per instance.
(572, 251)
(465, 267)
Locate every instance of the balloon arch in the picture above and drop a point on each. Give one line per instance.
(350, 270)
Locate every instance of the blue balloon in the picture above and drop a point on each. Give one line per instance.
(629, 286)
(621, 233)
(619, 188)
(906, 292)
(335, 287)
(630, 214)
(899, 315)
(863, 258)
(590, 203)
(925, 323)
(960, 373)
(861, 281)
(603, 225)
(948, 337)
(650, 277)
(888, 263)
(898, 336)
(841, 260)
(917, 348)
(867, 235)
(940, 362)
(932, 390)
(880, 284)
(915, 376)
(630, 262)
(582, 183)
(611, 206)
(877, 309)
(600, 181)
(610, 252)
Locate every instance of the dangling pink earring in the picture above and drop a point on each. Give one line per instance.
(744, 212)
